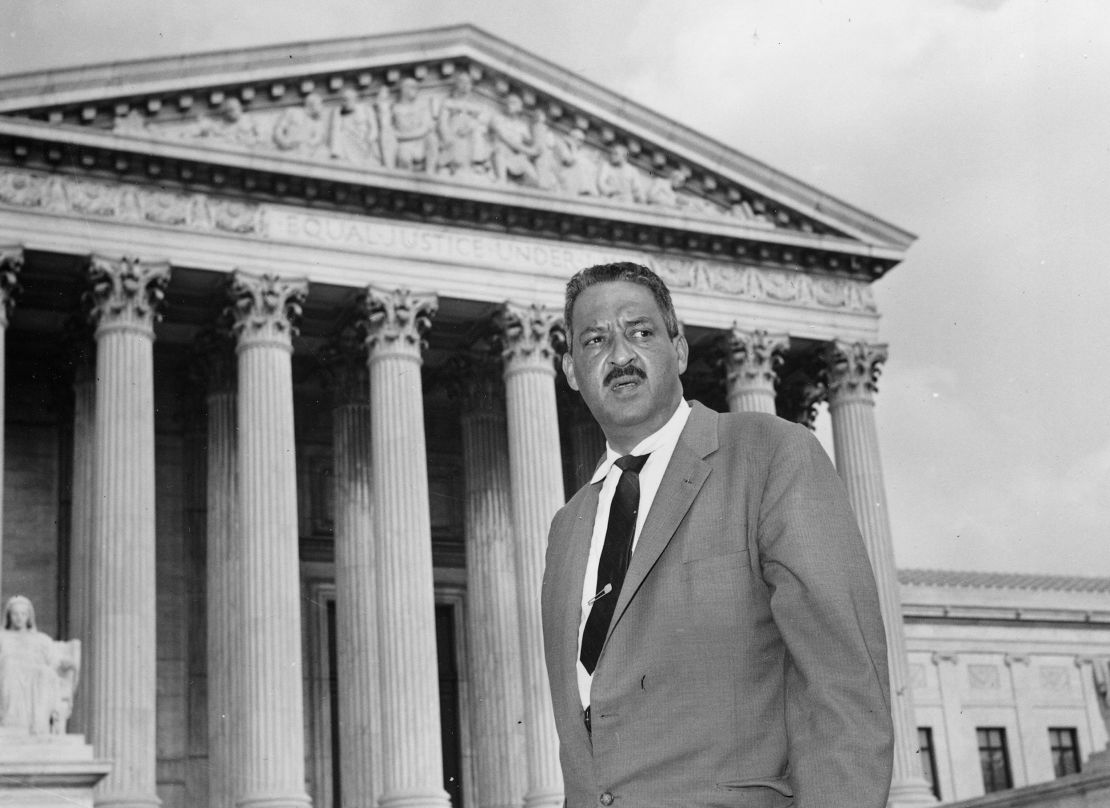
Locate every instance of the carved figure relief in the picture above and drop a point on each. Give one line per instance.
(455, 132)
(464, 130)
(618, 179)
(408, 135)
(303, 130)
(37, 675)
(353, 131)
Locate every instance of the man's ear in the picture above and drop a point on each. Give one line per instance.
(568, 370)
(682, 348)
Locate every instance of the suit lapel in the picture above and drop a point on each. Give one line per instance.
(683, 479)
(578, 552)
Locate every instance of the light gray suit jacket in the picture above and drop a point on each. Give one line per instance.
(746, 661)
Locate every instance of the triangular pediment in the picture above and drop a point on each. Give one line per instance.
(451, 112)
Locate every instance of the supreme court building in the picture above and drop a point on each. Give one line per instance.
(284, 432)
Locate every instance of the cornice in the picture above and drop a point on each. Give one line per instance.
(99, 154)
(90, 92)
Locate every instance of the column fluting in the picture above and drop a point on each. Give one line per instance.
(493, 628)
(535, 467)
(81, 516)
(266, 659)
(853, 371)
(125, 295)
(11, 264)
(412, 763)
(751, 360)
(360, 733)
(222, 573)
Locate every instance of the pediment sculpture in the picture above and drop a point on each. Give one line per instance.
(450, 131)
(38, 676)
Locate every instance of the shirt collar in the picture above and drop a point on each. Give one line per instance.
(666, 434)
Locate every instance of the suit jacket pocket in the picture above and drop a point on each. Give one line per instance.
(769, 791)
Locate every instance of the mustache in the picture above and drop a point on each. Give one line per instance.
(619, 373)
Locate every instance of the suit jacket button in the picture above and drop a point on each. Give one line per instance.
(606, 798)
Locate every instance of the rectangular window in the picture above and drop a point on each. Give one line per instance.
(1065, 750)
(994, 759)
(928, 759)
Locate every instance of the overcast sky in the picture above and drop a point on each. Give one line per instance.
(983, 127)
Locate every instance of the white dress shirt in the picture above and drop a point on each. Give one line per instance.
(660, 445)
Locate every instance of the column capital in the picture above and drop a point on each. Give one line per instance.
(530, 334)
(345, 370)
(853, 370)
(1016, 659)
(941, 656)
(265, 308)
(397, 319)
(11, 264)
(753, 357)
(126, 294)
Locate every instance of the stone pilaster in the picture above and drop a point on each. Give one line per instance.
(535, 467)
(751, 361)
(412, 768)
(360, 732)
(1030, 765)
(83, 359)
(853, 371)
(964, 780)
(11, 264)
(222, 574)
(493, 628)
(125, 297)
(266, 655)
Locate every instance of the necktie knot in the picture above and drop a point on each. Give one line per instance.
(632, 463)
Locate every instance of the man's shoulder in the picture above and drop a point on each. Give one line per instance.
(753, 428)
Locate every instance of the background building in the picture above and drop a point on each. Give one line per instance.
(284, 433)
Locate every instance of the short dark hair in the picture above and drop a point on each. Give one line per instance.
(619, 271)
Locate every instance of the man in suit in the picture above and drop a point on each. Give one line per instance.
(711, 623)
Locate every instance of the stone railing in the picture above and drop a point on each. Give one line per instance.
(1087, 790)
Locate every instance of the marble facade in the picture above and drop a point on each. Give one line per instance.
(295, 513)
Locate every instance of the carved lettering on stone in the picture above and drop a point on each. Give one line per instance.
(398, 317)
(265, 308)
(530, 333)
(126, 292)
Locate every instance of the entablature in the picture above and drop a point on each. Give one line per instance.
(449, 125)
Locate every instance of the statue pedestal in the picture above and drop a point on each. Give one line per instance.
(48, 771)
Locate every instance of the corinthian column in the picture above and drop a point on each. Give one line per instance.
(360, 747)
(492, 623)
(853, 372)
(412, 765)
(537, 492)
(11, 263)
(222, 573)
(751, 361)
(81, 517)
(125, 296)
(266, 658)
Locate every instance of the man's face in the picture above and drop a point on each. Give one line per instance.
(622, 361)
(20, 616)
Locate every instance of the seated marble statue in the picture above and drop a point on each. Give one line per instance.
(37, 675)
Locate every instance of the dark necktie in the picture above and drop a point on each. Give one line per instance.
(615, 555)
